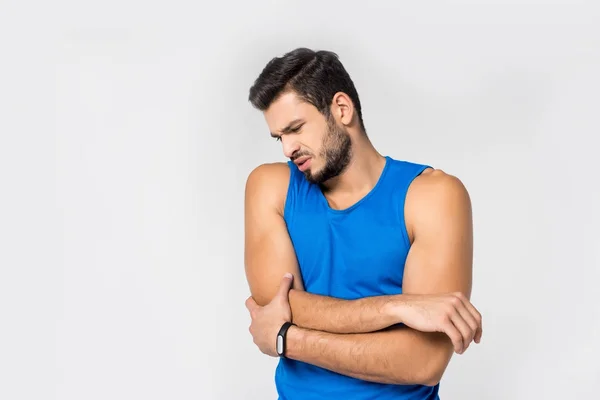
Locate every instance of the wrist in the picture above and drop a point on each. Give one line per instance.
(394, 307)
(296, 337)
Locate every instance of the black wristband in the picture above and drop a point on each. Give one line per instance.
(281, 339)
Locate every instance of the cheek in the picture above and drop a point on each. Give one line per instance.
(316, 148)
(317, 143)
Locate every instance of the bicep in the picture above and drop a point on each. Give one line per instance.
(268, 250)
(440, 258)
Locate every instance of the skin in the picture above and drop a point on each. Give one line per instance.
(355, 337)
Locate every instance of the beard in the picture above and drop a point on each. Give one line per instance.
(336, 151)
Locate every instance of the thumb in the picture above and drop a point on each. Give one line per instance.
(286, 284)
(251, 304)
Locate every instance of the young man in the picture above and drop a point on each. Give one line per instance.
(359, 265)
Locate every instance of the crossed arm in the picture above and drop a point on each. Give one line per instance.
(356, 337)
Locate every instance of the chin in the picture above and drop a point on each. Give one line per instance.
(314, 170)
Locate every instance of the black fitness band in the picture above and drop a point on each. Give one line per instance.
(281, 338)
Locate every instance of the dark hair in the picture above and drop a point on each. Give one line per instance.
(315, 76)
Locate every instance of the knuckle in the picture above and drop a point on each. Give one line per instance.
(457, 340)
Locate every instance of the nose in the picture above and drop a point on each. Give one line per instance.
(290, 146)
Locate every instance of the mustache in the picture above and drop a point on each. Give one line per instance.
(297, 155)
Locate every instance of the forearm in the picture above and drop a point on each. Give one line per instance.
(335, 315)
(398, 356)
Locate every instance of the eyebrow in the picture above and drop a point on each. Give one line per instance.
(288, 128)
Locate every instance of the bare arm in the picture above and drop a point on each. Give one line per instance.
(269, 254)
(440, 261)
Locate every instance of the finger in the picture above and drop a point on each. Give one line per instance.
(479, 332)
(469, 319)
(466, 333)
(286, 284)
(251, 304)
(478, 335)
(453, 334)
(476, 315)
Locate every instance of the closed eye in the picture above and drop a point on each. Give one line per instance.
(287, 130)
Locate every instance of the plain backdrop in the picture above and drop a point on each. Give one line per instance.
(127, 137)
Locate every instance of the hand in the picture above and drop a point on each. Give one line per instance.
(267, 320)
(450, 313)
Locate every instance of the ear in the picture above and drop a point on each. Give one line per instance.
(342, 108)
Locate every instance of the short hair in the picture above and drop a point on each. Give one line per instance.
(315, 76)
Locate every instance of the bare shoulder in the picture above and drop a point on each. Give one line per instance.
(268, 184)
(435, 185)
(435, 196)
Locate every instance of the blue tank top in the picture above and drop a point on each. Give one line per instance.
(352, 253)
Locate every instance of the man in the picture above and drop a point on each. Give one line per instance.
(359, 265)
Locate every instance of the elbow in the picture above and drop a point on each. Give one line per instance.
(422, 359)
(432, 375)
(432, 379)
(435, 367)
(427, 374)
(424, 378)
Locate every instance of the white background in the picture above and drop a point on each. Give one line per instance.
(126, 139)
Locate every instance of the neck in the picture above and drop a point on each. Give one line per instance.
(363, 171)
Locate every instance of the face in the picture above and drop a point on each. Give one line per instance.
(320, 146)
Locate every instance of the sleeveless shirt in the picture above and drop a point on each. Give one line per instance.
(352, 253)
